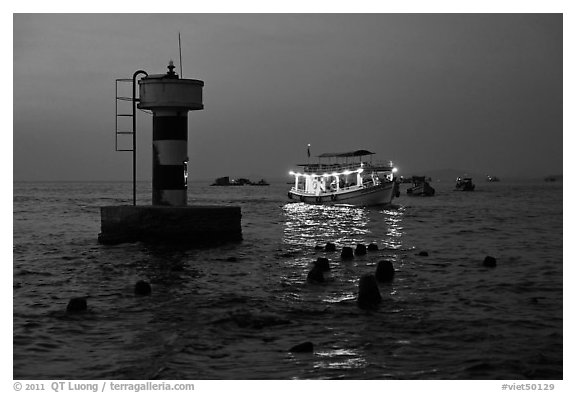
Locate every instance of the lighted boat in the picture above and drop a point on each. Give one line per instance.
(345, 178)
(420, 187)
(464, 184)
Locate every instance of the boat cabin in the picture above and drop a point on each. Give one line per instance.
(337, 172)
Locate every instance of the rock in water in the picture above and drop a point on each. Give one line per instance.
(368, 294)
(423, 253)
(360, 249)
(347, 253)
(304, 347)
(315, 275)
(142, 288)
(322, 263)
(330, 247)
(489, 261)
(385, 271)
(372, 247)
(77, 304)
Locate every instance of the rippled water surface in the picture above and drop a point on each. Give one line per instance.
(234, 312)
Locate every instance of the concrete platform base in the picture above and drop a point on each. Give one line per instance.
(183, 225)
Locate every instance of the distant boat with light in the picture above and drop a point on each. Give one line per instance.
(492, 178)
(420, 187)
(345, 178)
(464, 184)
(226, 181)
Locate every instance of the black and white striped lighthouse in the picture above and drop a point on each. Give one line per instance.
(169, 219)
(170, 98)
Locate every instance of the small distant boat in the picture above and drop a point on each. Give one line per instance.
(347, 180)
(226, 181)
(492, 178)
(464, 184)
(261, 182)
(222, 181)
(420, 187)
(240, 182)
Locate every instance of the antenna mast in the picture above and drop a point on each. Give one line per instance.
(180, 50)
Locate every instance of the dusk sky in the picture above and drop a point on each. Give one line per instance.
(474, 92)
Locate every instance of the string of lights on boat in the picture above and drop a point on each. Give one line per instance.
(343, 173)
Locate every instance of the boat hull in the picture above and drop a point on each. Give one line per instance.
(381, 194)
(421, 190)
(465, 187)
(464, 184)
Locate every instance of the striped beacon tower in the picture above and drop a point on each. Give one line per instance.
(170, 98)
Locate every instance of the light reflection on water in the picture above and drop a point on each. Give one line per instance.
(343, 225)
(312, 224)
(340, 359)
(340, 297)
(393, 219)
(307, 226)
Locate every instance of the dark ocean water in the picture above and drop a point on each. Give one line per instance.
(234, 312)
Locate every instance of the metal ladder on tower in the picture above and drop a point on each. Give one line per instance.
(132, 132)
(120, 99)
